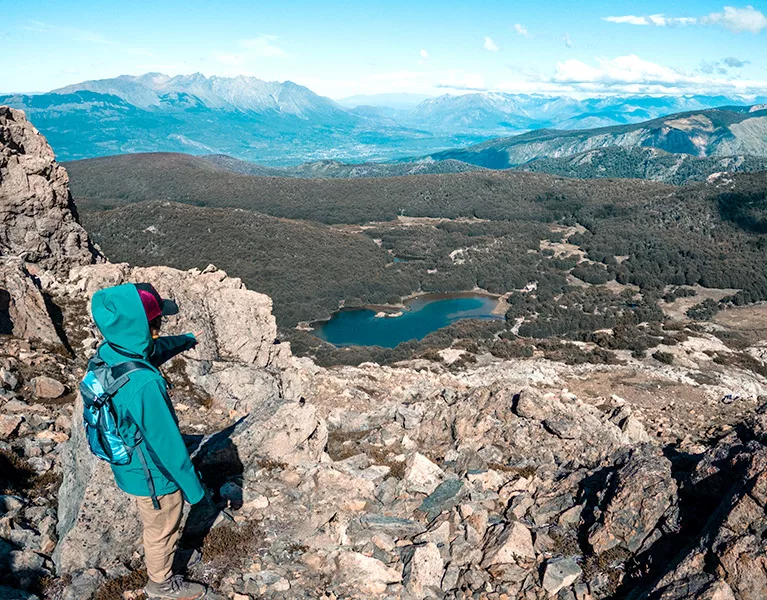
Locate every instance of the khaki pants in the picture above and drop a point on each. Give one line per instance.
(162, 530)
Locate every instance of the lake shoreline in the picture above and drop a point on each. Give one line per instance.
(420, 314)
(404, 305)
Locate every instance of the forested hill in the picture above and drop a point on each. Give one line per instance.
(111, 181)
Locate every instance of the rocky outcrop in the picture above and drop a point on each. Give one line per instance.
(37, 219)
(729, 487)
(23, 312)
(239, 359)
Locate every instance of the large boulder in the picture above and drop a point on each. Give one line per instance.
(38, 222)
(22, 306)
(638, 498)
(89, 534)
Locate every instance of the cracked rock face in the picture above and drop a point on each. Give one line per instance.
(37, 219)
(22, 307)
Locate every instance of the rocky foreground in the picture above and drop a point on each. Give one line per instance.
(407, 482)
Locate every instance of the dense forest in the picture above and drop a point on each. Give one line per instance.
(577, 257)
(507, 195)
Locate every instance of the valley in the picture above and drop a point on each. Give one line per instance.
(577, 261)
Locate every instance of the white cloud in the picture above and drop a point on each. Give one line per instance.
(632, 75)
(630, 19)
(658, 20)
(734, 19)
(250, 49)
(521, 30)
(262, 46)
(490, 45)
(567, 40)
(738, 20)
(424, 55)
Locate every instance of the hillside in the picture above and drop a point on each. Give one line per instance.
(110, 181)
(643, 163)
(586, 247)
(731, 131)
(307, 268)
(333, 169)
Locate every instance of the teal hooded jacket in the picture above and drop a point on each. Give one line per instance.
(142, 405)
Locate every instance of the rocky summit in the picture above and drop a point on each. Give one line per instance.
(500, 479)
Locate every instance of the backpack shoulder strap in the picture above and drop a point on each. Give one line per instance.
(120, 373)
(125, 368)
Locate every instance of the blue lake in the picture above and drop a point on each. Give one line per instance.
(361, 327)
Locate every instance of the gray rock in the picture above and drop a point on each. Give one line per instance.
(27, 315)
(560, 573)
(447, 495)
(423, 570)
(421, 475)
(8, 425)
(408, 417)
(514, 544)
(8, 379)
(644, 491)
(47, 387)
(365, 574)
(10, 504)
(393, 526)
(83, 585)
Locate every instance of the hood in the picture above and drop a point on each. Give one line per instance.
(120, 317)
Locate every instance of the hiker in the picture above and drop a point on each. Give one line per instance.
(149, 460)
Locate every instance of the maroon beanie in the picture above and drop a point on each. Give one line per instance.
(154, 305)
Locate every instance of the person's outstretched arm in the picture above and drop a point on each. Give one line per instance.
(150, 410)
(168, 346)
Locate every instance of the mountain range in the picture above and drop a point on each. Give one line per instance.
(280, 124)
(725, 132)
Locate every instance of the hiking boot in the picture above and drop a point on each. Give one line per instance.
(176, 588)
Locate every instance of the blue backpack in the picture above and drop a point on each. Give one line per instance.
(98, 387)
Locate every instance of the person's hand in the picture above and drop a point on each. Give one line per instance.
(197, 335)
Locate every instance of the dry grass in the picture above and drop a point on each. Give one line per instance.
(611, 563)
(228, 546)
(175, 372)
(343, 445)
(114, 588)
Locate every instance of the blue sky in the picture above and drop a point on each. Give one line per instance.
(343, 48)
